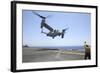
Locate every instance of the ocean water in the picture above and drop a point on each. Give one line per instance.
(74, 48)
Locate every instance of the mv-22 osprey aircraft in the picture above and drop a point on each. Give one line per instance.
(52, 32)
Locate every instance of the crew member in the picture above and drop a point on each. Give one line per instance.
(87, 51)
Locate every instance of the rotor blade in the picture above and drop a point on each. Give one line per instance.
(39, 15)
(65, 29)
(48, 16)
(43, 32)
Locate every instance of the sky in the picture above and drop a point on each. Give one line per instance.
(79, 28)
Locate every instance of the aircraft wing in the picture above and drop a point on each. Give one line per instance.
(48, 27)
